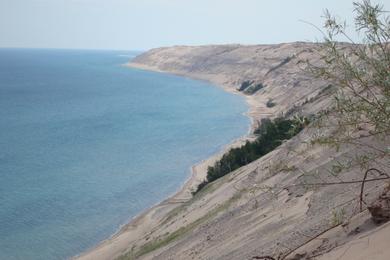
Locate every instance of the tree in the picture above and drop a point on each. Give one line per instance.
(361, 74)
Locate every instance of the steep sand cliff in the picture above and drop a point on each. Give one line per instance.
(276, 69)
(262, 208)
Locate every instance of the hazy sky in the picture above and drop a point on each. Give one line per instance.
(143, 24)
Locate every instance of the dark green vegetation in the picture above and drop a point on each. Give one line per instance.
(245, 85)
(249, 87)
(270, 135)
(253, 89)
(270, 103)
(283, 62)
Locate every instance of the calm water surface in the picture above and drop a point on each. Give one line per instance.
(86, 144)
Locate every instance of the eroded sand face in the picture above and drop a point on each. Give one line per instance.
(261, 208)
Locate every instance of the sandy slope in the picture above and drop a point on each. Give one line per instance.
(374, 246)
(261, 208)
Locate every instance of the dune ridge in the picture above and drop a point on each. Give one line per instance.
(259, 209)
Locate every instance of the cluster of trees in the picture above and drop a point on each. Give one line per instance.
(253, 89)
(270, 134)
(249, 87)
(245, 85)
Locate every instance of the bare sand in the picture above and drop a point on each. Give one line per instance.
(373, 245)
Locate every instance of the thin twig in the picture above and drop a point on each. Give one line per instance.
(364, 181)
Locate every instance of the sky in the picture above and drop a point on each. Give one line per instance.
(145, 24)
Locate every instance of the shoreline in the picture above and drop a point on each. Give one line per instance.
(138, 226)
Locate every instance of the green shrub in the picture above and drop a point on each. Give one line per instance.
(245, 85)
(253, 89)
(270, 103)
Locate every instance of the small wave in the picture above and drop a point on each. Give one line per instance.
(127, 55)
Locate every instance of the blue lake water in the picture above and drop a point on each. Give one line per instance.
(86, 144)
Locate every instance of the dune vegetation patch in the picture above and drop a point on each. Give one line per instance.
(270, 135)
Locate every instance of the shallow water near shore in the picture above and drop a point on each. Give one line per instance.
(87, 144)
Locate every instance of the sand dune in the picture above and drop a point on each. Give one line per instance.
(261, 208)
